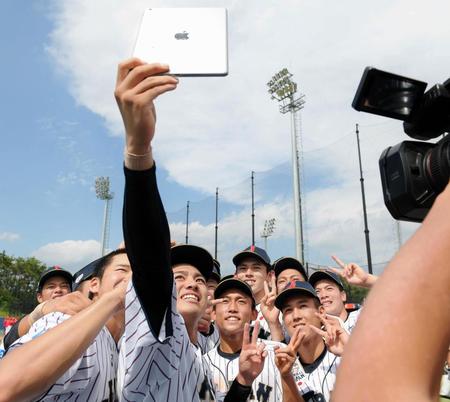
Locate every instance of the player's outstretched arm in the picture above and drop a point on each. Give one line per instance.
(70, 304)
(32, 368)
(406, 345)
(145, 227)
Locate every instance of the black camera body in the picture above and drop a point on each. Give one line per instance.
(413, 173)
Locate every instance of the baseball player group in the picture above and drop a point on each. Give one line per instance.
(155, 321)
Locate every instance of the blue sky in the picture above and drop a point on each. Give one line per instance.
(60, 127)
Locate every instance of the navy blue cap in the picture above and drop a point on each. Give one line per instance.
(252, 252)
(233, 283)
(294, 288)
(196, 256)
(324, 274)
(289, 263)
(85, 273)
(54, 271)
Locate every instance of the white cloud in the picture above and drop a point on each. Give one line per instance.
(70, 254)
(9, 236)
(227, 126)
(213, 132)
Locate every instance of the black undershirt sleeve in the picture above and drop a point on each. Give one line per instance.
(12, 335)
(147, 241)
(237, 392)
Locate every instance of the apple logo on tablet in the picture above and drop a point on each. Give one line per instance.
(182, 35)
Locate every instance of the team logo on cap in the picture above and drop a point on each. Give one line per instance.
(79, 278)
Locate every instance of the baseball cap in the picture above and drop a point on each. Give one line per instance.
(294, 288)
(196, 256)
(252, 252)
(85, 273)
(233, 283)
(216, 270)
(324, 274)
(54, 271)
(288, 263)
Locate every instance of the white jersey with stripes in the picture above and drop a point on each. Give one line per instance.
(91, 378)
(321, 374)
(267, 387)
(160, 367)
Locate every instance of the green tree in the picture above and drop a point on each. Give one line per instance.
(355, 294)
(18, 283)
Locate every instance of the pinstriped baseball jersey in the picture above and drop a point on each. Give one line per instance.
(351, 320)
(208, 342)
(321, 374)
(267, 386)
(91, 377)
(160, 367)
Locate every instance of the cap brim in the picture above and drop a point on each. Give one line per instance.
(237, 259)
(289, 263)
(233, 283)
(287, 293)
(196, 256)
(319, 275)
(57, 272)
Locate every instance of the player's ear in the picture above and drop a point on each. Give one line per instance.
(321, 310)
(39, 297)
(94, 286)
(343, 296)
(213, 314)
(254, 314)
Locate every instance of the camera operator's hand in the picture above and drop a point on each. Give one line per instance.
(137, 85)
(353, 274)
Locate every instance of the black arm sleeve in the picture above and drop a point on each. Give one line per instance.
(147, 240)
(237, 392)
(12, 335)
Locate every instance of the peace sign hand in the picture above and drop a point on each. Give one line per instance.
(267, 305)
(353, 273)
(251, 359)
(285, 356)
(334, 335)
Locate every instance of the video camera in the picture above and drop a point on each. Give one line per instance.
(413, 173)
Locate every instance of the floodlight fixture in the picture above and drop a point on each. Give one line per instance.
(269, 227)
(103, 193)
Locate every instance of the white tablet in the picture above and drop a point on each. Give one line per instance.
(192, 41)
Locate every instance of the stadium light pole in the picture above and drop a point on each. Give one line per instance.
(269, 227)
(283, 89)
(103, 193)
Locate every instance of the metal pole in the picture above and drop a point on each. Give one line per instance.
(265, 243)
(399, 234)
(105, 225)
(299, 249)
(366, 228)
(217, 219)
(187, 223)
(253, 208)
